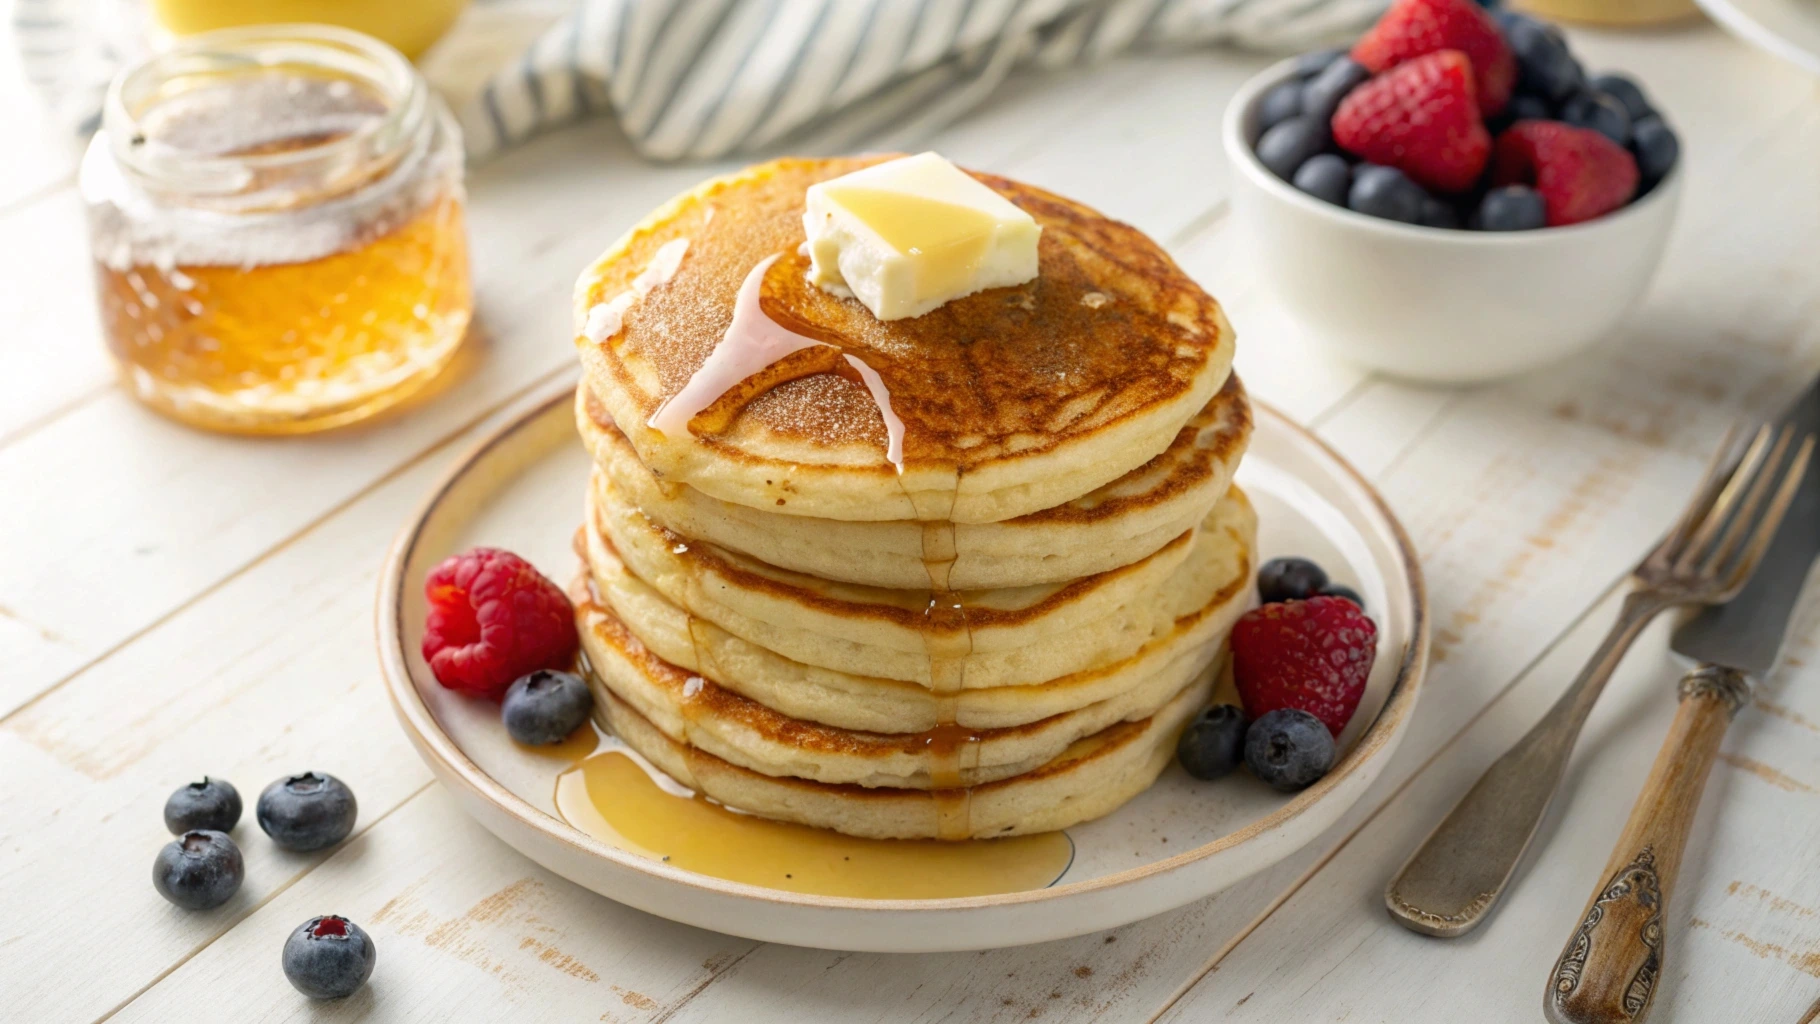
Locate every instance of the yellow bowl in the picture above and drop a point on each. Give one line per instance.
(409, 25)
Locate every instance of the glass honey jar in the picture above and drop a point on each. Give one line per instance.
(276, 219)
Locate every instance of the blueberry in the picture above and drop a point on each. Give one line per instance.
(1625, 91)
(1544, 66)
(307, 812)
(545, 707)
(329, 957)
(1289, 579)
(1511, 208)
(1214, 743)
(1386, 192)
(1288, 145)
(1656, 147)
(1437, 214)
(1337, 590)
(1524, 107)
(199, 870)
(1289, 749)
(1323, 93)
(1315, 61)
(1325, 177)
(1601, 113)
(1280, 103)
(212, 804)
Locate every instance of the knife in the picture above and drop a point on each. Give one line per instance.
(1608, 970)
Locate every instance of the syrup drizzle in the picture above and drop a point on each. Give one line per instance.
(753, 344)
(621, 799)
(954, 749)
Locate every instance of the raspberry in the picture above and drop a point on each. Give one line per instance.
(1419, 117)
(1312, 655)
(1580, 173)
(1413, 28)
(493, 618)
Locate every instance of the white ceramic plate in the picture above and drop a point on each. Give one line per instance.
(1179, 841)
(1790, 29)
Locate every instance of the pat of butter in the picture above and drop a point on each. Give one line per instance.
(907, 235)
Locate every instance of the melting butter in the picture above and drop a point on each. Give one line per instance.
(905, 236)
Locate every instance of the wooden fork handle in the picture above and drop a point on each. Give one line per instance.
(1608, 971)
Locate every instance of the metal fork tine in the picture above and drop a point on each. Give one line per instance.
(1772, 517)
(1715, 515)
(1705, 493)
(1744, 520)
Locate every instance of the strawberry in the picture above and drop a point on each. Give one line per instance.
(1312, 655)
(1421, 118)
(1580, 173)
(1413, 28)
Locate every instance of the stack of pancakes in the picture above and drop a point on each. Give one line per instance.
(1005, 632)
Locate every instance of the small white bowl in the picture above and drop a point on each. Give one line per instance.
(1434, 304)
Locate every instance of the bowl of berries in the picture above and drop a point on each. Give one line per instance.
(1454, 199)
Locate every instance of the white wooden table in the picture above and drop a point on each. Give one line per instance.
(174, 603)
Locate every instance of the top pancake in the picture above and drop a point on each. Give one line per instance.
(1013, 399)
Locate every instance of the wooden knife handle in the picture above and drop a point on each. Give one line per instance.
(1609, 968)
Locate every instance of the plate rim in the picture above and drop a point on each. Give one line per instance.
(431, 740)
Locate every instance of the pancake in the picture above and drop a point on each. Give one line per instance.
(698, 713)
(1115, 525)
(1009, 637)
(1012, 400)
(871, 704)
(1091, 778)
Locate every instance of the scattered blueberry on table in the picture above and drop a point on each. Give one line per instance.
(307, 812)
(329, 957)
(199, 870)
(545, 706)
(212, 804)
(1447, 114)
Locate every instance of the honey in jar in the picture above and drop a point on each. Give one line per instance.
(276, 222)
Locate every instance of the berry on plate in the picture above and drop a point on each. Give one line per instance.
(1289, 579)
(329, 957)
(1416, 28)
(1337, 590)
(1214, 743)
(1580, 173)
(1288, 749)
(1420, 117)
(545, 707)
(307, 812)
(199, 870)
(493, 618)
(1625, 91)
(212, 804)
(1314, 655)
(1281, 103)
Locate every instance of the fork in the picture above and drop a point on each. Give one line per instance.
(1454, 879)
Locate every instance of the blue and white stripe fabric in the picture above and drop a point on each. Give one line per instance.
(698, 79)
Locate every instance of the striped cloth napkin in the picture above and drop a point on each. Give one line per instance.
(698, 79)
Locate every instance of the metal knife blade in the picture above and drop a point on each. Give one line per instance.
(1746, 632)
